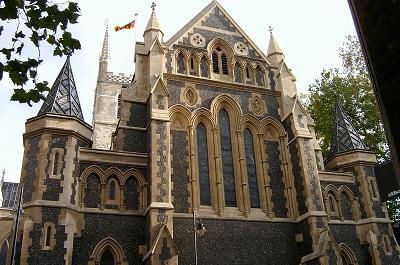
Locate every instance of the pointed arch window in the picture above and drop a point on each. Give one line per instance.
(204, 67)
(180, 63)
(193, 65)
(48, 236)
(259, 76)
(251, 169)
(202, 156)
(238, 73)
(111, 194)
(220, 61)
(107, 258)
(227, 160)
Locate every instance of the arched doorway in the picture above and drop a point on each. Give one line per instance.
(107, 258)
(108, 252)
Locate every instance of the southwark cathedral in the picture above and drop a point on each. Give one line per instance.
(208, 133)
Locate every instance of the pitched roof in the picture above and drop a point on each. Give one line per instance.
(206, 12)
(344, 136)
(63, 97)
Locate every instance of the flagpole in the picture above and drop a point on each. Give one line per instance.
(134, 42)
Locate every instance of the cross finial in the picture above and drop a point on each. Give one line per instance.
(270, 29)
(153, 6)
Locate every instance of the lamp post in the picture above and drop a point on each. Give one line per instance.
(198, 230)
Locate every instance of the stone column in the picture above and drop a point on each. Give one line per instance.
(193, 180)
(218, 172)
(243, 174)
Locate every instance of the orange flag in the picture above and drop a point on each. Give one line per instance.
(130, 25)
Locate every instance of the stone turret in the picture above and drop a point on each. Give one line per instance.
(50, 171)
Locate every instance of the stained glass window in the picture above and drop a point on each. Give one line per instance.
(227, 161)
(251, 169)
(204, 177)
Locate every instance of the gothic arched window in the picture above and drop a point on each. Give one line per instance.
(259, 76)
(131, 194)
(251, 169)
(227, 160)
(180, 63)
(204, 67)
(193, 66)
(202, 157)
(238, 73)
(48, 236)
(92, 192)
(111, 193)
(220, 61)
(107, 258)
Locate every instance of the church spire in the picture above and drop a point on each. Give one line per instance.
(344, 135)
(274, 53)
(105, 51)
(153, 22)
(153, 29)
(63, 97)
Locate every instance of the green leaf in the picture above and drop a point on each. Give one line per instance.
(19, 49)
(19, 35)
(51, 39)
(1, 29)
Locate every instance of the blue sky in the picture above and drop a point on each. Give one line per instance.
(309, 32)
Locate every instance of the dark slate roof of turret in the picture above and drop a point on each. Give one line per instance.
(344, 135)
(63, 97)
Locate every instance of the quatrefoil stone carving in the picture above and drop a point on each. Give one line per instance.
(241, 48)
(197, 40)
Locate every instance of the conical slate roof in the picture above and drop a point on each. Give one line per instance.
(63, 97)
(344, 136)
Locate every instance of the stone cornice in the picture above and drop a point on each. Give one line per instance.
(112, 157)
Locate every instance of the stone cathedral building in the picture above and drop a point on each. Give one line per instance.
(208, 123)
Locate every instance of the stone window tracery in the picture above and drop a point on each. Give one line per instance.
(220, 62)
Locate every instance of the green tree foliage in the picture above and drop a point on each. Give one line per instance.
(351, 86)
(34, 23)
(393, 207)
